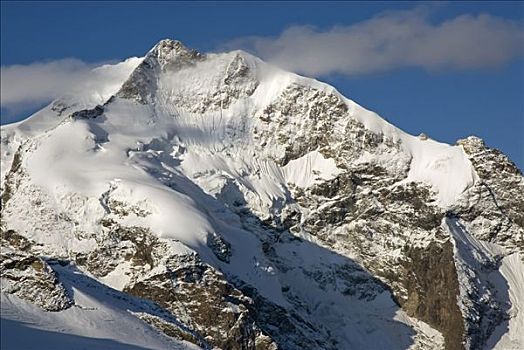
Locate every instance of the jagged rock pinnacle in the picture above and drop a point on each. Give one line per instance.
(472, 144)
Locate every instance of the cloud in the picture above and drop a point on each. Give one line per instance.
(37, 83)
(392, 40)
(27, 88)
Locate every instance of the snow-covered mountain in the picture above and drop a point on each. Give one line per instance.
(213, 200)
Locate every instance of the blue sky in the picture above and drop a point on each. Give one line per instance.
(446, 69)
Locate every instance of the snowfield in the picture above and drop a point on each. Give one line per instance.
(101, 319)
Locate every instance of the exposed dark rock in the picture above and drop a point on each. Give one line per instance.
(172, 330)
(119, 244)
(205, 300)
(430, 277)
(11, 181)
(493, 209)
(88, 113)
(11, 238)
(60, 107)
(32, 279)
(219, 246)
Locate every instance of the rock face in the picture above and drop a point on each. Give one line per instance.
(493, 208)
(28, 276)
(262, 210)
(207, 303)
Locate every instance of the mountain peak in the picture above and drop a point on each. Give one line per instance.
(168, 53)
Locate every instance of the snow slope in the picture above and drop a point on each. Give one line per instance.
(504, 282)
(513, 271)
(103, 83)
(101, 319)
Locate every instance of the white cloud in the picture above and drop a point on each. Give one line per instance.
(38, 83)
(25, 88)
(392, 40)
